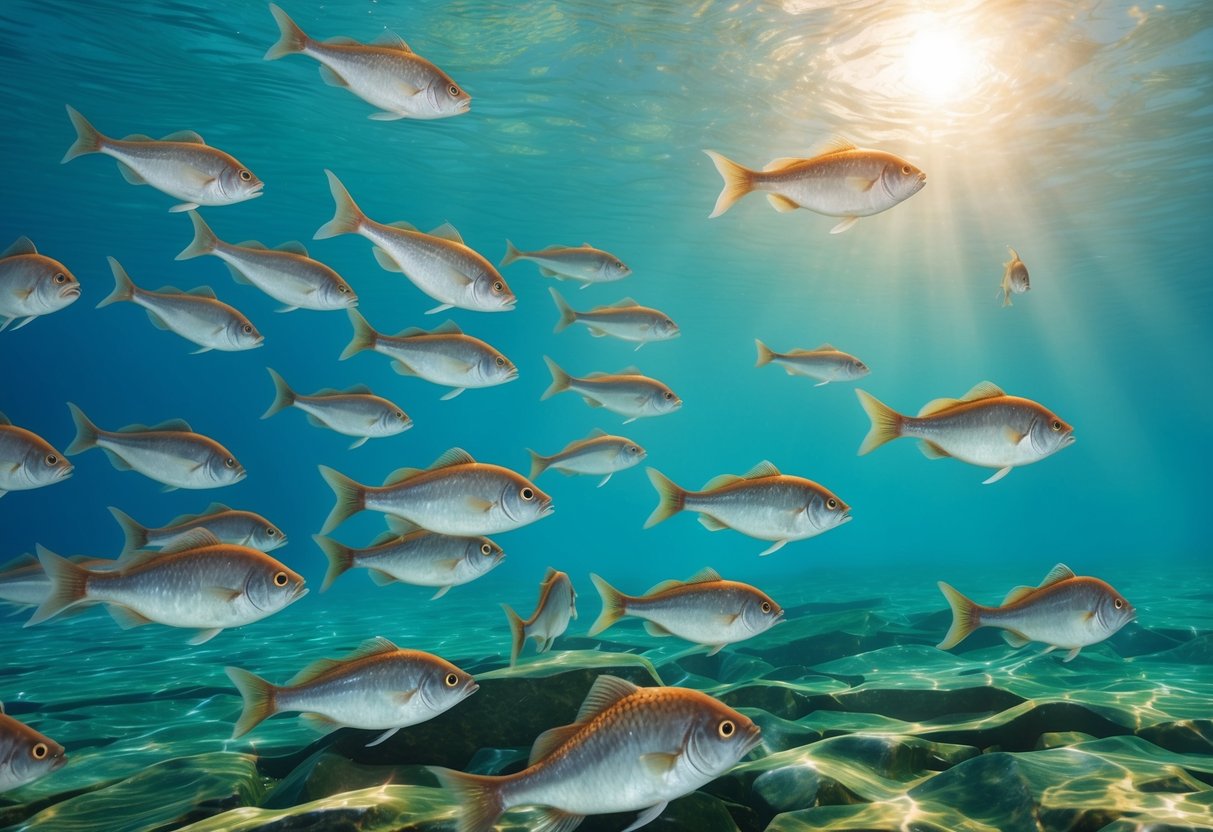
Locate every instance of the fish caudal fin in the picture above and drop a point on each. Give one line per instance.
(364, 336)
(886, 422)
(69, 585)
(966, 617)
(567, 315)
(478, 795)
(561, 380)
(511, 254)
(614, 605)
(205, 241)
(291, 38)
(86, 432)
(124, 287)
(133, 531)
(517, 633)
(765, 354)
(351, 498)
(347, 216)
(284, 396)
(671, 499)
(88, 140)
(340, 558)
(738, 181)
(539, 464)
(258, 696)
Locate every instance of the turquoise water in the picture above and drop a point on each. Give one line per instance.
(587, 121)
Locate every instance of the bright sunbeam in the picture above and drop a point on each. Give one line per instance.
(941, 64)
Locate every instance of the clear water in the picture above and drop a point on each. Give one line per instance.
(1076, 132)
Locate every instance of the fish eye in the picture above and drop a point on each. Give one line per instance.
(343, 289)
(453, 90)
(229, 462)
(619, 265)
(248, 329)
(280, 579)
(498, 286)
(527, 494)
(632, 449)
(486, 549)
(271, 531)
(906, 169)
(1119, 603)
(831, 504)
(39, 751)
(60, 277)
(1056, 425)
(399, 414)
(451, 680)
(668, 395)
(246, 176)
(726, 729)
(500, 361)
(51, 459)
(766, 606)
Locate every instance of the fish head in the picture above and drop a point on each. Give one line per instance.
(523, 501)
(446, 98)
(826, 510)
(482, 554)
(760, 613)
(1112, 611)
(273, 586)
(55, 286)
(444, 686)
(900, 180)
(237, 184)
(1049, 433)
(394, 420)
(613, 268)
(665, 329)
(242, 335)
(1020, 282)
(491, 293)
(28, 755)
(719, 737)
(44, 465)
(266, 537)
(631, 454)
(664, 400)
(495, 368)
(338, 294)
(855, 368)
(225, 468)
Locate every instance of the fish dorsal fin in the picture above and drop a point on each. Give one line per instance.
(342, 40)
(192, 539)
(595, 433)
(1017, 594)
(384, 537)
(411, 332)
(22, 245)
(761, 470)
(4, 420)
(400, 475)
(216, 508)
(825, 348)
(325, 392)
(372, 647)
(358, 390)
(170, 290)
(835, 144)
(314, 671)
(18, 562)
(292, 247)
(630, 371)
(937, 406)
(184, 136)
(390, 40)
(586, 245)
(707, 575)
(446, 231)
(138, 137)
(550, 740)
(254, 244)
(403, 225)
(1056, 575)
(721, 481)
(447, 328)
(453, 457)
(624, 304)
(203, 292)
(547, 576)
(170, 424)
(606, 691)
(781, 163)
(983, 390)
(663, 586)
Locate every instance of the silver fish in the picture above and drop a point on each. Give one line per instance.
(443, 355)
(385, 74)
(25, 754)
(842, 180)
(180, 165)
(377, 687)
(631, 749)
(438, 263)
(705, 609)
(1065, 611)
(983, 427)
(557, 604)
(1014, 278)
(628, 392)
(286, 273)
(355, 411)
(196, 315)
(584, 264)
(27, 460)
(169, 453)
(456, 495)
(597, 454)
(824, 363)
(32, 284)
(24, 583)
(626, 320)
(243, 528)
(418, 557)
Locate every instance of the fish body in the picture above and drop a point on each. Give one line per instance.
(625, 320)
(984, 427)
(557, 605)
(181, 165)
(824, 363)
(25, 754)
(353, 412)
(628, 392)
(417, 557)
(24, 582)
(1014, 278)
(32, 284)
(599, 453)
(584, 264)
(27, 460)
(242, 528)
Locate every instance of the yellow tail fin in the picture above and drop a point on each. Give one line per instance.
(614, 605)
(886, 422)
(258, 696)
(738, 181)
(966, 617)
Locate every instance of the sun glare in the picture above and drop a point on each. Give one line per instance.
(941, 64)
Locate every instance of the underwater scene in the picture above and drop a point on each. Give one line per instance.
(459, 416)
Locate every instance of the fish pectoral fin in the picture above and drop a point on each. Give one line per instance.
(655, 629)
(403, 697)
(203, 636)
(932, 451)
(605, 480)
(168, 488)
(774, 547)
(450, 394)
(546, 272)
(384, 737)
(358, 443)
(130, 174)
(726, 619)
(647, 816)
(844, 225)
(222, 593)
(385, 260)
(822, 383)
(711, 523)
(331, 77)
(781, 203)
(442, 307)
(201, 350)
(595, 331)
(380, 577)
(1072, 655)
(863, 184)
(629, 420)
(385, 116)
(184, 206)
(480, 504)
(126, 617)
(319, 722)
(591, 402)
(716, 649)
(1088, 615)
(1015, 638)
(441, 591)
(1012, 435)
(554, 820)
(1002, 472)
(659, 764)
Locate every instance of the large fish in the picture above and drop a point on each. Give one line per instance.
(180, 165)
(824, 363)
(983, 427)
(25, 754)
(631, 749)
(705, 609)
(169, 453)
(196, 315)
(417, 557)
(456, 495)
(1065, 611)
(584, 264)
(1014, 278)
(386, 74)
(840, 181)
(557, 604)
(243, 528)
(355, 411)
(443, 355)
(628, 392)
(24, 582)
(32, 284)
(439, 263)
(286, 273)
(597, 454)
(761, 503)
(27, 460)
(626, 320)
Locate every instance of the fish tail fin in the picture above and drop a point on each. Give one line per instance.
(340, 558)
(567, 315)
(765, 354)
(134, 532)
(517, 633)
(204, 241)
(88, 139)
(478, 795)
(966, 617)
(258, 696)
(886, 422)
(347, 216)
(284, 396)
(738, 181)
(351, 498)
(561, 380)
(86, 432)
(511, 254)
(364, 336)
(291, 38)
(539, 464)
(69, 585)
(124, 287)
(671, 499)
(614, 605)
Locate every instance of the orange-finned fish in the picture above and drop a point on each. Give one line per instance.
(825, 363)
(626, 320)
(628, 392)
(417, 557)
(585, 264)
(1014, 278)
(32, 284)
(599, 453)
(25, 754)
(244, 528)
(27, 460)
(355, 411)
(557, 604)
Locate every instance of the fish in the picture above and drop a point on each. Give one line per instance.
(984, 427)
(169, 453)
(438, 262)
(417, 557)
(181, 165)
(378, 687)
(286, 273)
(597, 454)
(825, 363)
(24, 583)
(243, 528)
(1014, 278)
(456, 495)
(584, 264)
(196, 583)
(355, 411)
(626, 320)
(196, 315)
(25, 754)
(1066, 611)
(631, 749)
(627, 392)
(28, 461)
(557, 604)
(32, 284)
(444, 355)
(840, 180)
(386, 73)
(762, 503)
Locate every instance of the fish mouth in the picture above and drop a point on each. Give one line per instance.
(259, 342)
(751, 741)
(512, 374)
(72, 291)
(547, 509)
(463, 105)
(64, 472)
(300, 591)
(59, 762)
(507, 304)
(471, 688)
(1068, 441)
(846, 518)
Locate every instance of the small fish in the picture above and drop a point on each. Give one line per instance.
(631, 749)
(597, 454)
(419, 558)
(180, 165)
(32, 284)
(286, 273)
(379, 686)
(196, 315)
(824, 363)
(761, 503)
(25, 755)
(557, 604)
(27, 460)
(984, 427)
(1014, 278)
(1065, 611)
(705, 609)
(585, 264)
(438, 263)
(628, 392)
(243, 528)
(625, 320)
(456, 495)
(386, 74)
(443, 355)
(355, 411)
(24, 583)
(842, 180)
(197, 583)
(169, 453)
